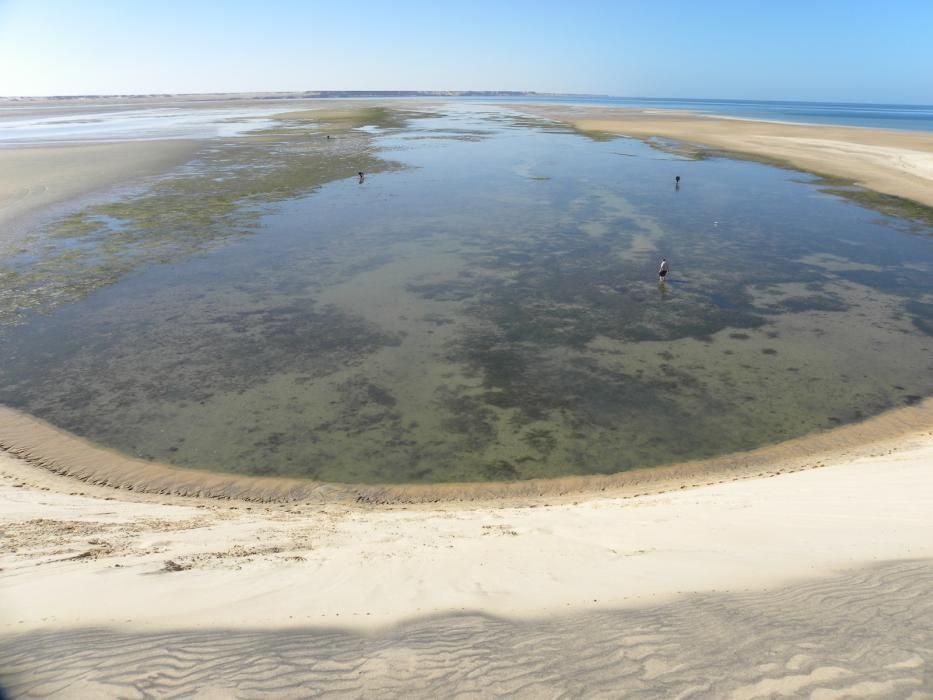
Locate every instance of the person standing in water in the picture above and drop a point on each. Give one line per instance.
(662, 272)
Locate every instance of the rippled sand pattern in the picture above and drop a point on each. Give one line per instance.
(866, 634)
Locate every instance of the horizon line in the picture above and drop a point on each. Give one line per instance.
(325, 94)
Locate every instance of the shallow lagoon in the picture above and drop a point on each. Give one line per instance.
(492, 311)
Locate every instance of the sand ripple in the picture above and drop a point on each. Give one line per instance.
(866, 634)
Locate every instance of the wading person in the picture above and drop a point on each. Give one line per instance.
(662, 271)
(360, 173)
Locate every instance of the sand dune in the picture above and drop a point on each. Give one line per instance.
(863, 634)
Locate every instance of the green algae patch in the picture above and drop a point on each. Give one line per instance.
(219, 196)
(341, 120)
(920, 215)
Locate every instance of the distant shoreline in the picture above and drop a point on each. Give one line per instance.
(300, 95)
(899, 117)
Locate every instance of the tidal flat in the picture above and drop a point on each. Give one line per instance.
(484, 305)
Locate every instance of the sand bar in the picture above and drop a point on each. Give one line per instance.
(898, 163)
(35, 178)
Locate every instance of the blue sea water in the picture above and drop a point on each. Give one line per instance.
(876, 116)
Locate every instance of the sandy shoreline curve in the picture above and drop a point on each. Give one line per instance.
(897, 163)
(752, 570)
(168, 563)
(76, 459)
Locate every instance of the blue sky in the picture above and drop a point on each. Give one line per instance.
(834, 50)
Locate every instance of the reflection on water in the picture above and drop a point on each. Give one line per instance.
(493, 312)
(117, 124)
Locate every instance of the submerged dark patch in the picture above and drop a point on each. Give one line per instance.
(922, 315)
(142, 369)
(488, 308)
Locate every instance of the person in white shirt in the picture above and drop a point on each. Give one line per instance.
(662, 273)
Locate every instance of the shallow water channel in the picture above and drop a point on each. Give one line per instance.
(492, 311)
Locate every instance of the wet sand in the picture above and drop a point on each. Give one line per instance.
(36, 179)
(897, 163)
(57, 452)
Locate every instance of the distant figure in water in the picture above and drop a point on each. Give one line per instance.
(362, 176)
(677, 182)
(662, 272)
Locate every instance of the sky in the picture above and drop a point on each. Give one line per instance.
(819, 50)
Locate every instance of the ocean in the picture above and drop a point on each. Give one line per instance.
(875, 116)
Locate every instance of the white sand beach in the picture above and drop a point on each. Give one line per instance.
(83, 560)
(250, 565)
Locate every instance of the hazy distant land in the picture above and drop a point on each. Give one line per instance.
(299, 95)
